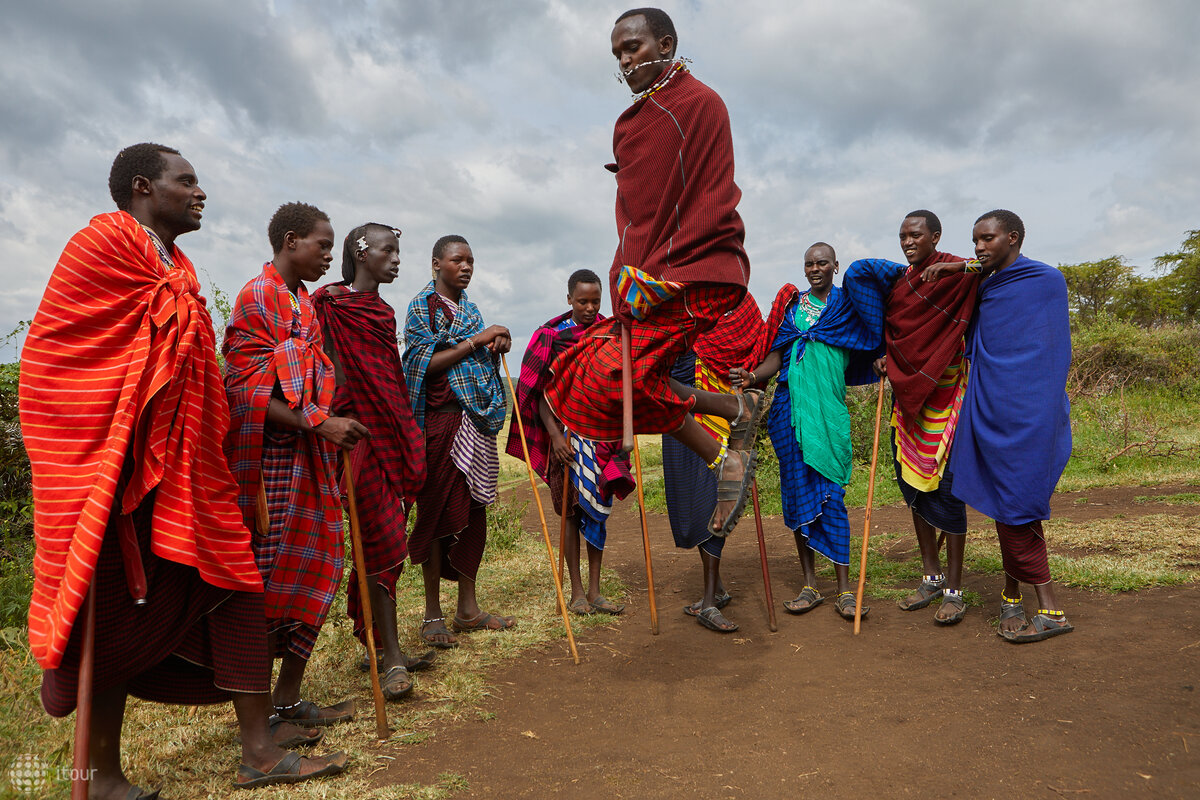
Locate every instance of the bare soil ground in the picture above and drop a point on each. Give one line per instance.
(907, 708)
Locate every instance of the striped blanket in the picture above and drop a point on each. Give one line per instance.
(266, 344)
(121, 361)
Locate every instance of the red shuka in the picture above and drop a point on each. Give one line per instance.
(121, 361)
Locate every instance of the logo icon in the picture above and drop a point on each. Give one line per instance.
(28, 773)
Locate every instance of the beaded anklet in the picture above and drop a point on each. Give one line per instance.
(720, 456)
(1010, 600)
(1048, 613)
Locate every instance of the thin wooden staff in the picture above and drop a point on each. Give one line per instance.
(83, 699)
(637, 462)
(762, 554)
(562, 604)
(862, 567)
(562, 525)
(627, 394)
(360, 563)
(629, 443)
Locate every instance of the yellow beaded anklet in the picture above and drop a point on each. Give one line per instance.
(1005, 599)
(720, 456)
(1047, 612)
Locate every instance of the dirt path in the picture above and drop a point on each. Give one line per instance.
(905, 709)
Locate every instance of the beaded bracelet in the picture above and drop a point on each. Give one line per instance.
(973, 266)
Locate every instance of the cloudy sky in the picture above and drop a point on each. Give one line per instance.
(493, 119)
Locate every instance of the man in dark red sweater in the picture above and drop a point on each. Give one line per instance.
(679, 266)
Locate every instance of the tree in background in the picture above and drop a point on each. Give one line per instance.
(1095, 286)
(1182, 281)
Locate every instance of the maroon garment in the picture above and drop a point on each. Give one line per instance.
(388, 467)
(924, 330)
(676, 207)
(191, 644)
(1023, 550)
(445, 508)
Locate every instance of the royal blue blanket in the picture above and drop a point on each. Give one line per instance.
(1014, 431)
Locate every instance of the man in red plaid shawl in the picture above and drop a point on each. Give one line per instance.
(282, 444)
(599, 470)
(359, 330)
(679, 267)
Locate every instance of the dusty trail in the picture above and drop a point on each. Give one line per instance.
(905, 709)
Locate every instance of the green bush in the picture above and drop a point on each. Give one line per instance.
(1109, 353)
(16, 508)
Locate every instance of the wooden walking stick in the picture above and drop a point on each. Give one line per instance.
(562, 604)
(627, 394)
(629, 443)
(562, 525)
(637, 462)
(360, 563)
(80, 773)
(862, 567)
(762, 554)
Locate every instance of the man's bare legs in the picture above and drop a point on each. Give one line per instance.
(258, 748)
(935, 580)
(433, 626)
(571, 555)
(1046, 597)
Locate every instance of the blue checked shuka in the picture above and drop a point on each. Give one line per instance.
(475, 379)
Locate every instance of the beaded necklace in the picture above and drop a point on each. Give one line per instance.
(810, 307)
(163, 254)
(671, 72)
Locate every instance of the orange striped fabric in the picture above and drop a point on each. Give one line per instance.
(121, 361)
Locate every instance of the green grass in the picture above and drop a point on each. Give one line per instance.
(1181, 499)
(1101, 427)
(193, 752)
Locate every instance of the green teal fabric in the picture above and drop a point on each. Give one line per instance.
(817, 386)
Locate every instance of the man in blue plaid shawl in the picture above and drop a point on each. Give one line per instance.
(458, 399)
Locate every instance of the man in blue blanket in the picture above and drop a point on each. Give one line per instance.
(1014, 431)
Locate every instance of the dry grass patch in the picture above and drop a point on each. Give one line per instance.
(1115, 555)
(194, 752)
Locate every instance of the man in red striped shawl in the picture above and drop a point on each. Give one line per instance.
(359, 329)
(679, 267)
(123, 415)
(924, 325)
(282, 447)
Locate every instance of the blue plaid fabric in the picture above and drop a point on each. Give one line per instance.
(868, 282)
(839, 326)
(475, 379)
(813, 505)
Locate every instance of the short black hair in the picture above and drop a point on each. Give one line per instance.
(299, 218)
(822, 244)
(658, 21)
(350, 247)
(145, 159)
(582, 276)
(1009, 220)
(931, 219)
(439, 247)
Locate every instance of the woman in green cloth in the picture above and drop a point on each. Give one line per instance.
(815, 341)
